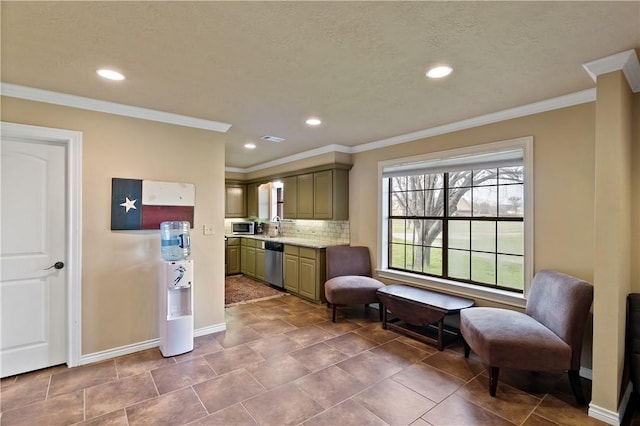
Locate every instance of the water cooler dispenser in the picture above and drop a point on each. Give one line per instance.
(176, 290)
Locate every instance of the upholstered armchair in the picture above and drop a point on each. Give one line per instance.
(349, 279)
(547, 337)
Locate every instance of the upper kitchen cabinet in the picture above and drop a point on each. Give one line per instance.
(235, 200)
(252, 200)
(290, 198)
(320, 192)
(305, 196)
(331, 195)
(317, 195)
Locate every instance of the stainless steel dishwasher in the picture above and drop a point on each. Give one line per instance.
(273, 257)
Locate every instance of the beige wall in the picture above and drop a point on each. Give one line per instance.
(563, 183)
(120, 268)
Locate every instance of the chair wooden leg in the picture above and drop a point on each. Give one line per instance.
(467, 349)
(576, 386)
(334, 312)
(493, 380)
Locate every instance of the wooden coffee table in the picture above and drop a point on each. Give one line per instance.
(415, 311)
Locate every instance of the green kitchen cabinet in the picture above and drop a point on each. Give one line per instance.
(323, 195)
(251, 262)
(260, 264)
(320, 195)
(304, 272)
(290, 191)
(243, 259)
(232, 263)
(305, 196)
(316, 194)
(235, 200)
(252, 200)
(311, 273)
(331, 194)
(248, 257)
(290, 268)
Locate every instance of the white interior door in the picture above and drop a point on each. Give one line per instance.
(33, 238)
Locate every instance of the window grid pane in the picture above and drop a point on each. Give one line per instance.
(511, 271)
(487, 251)
(432, 260)
(483, 267)
(483, 236)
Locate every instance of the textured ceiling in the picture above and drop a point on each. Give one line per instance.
(265, 67)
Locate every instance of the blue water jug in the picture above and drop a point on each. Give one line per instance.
(175, 243)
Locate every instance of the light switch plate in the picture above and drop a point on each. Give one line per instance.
(208, 229)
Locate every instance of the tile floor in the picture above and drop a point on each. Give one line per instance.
(282, 361)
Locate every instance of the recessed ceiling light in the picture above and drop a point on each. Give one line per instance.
(439, 72)
(110, 74)
(250, 145)
(313, 122)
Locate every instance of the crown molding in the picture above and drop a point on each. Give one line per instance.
(582, 97)
(626, 61)
(565, 101)
(46, 96)
(296, 157)
(39, 95)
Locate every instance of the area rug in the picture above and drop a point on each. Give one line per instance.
(240, 289)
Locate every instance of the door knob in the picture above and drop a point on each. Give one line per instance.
(57, 265)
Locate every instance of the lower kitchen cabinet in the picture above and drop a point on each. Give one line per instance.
(232, 260)
(304, 272)
(260, 264)
(291, 260)
(308, 274)
(303, 267)
(252, 259)
(248, 257)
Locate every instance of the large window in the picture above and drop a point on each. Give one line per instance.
(458, 217)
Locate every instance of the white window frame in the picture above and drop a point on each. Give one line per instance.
(449, 285)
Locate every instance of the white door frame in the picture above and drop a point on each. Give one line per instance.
(72, 140)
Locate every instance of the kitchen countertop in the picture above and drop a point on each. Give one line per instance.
(302, 242)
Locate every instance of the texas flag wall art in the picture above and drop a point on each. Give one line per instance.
(144, 204)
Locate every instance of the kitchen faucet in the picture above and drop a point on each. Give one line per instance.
(278, 230)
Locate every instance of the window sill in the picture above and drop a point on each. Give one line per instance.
(454, 287)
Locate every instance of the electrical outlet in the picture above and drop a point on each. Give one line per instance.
(208, 229)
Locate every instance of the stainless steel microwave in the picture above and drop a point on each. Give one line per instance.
(240, 228)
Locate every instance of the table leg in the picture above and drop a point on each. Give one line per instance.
(384, 316)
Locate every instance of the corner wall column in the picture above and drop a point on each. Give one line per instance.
(613, 245)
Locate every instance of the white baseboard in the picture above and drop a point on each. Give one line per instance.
(209, 330)
(612, 417)
(141, 346)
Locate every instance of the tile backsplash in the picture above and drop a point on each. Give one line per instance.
(332, 230)
(336, 231)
